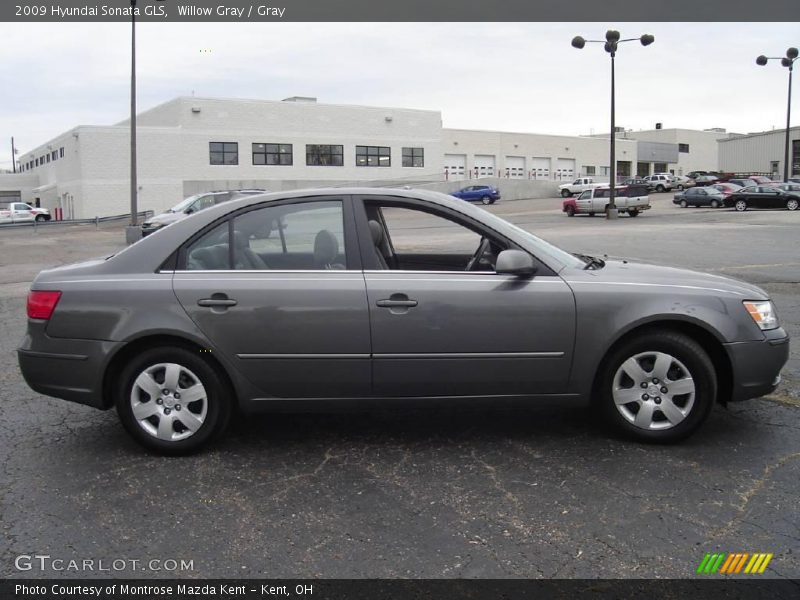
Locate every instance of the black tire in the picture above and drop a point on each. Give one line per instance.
(714, 204)
(682, 348)
(40, 218)
(740, 205)
(486, 200)
(633, 212)
(684, 204)
(218, 399)
(659, 188)
(570, 211)
(791, 204)
(565, 193)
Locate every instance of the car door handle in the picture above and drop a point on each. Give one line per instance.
(397, 301)
(216, 302)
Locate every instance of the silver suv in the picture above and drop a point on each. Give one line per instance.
(660, 182)
(193, 204)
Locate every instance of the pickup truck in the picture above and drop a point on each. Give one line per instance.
(578, 186)
(19, 212)
(630, 199)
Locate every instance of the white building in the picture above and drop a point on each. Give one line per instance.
(762, 152)
(189, 145)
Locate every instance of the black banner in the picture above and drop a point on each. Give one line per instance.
(406, 11)
(750, 588)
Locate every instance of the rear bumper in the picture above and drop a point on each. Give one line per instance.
(65, 368)
(757, 365)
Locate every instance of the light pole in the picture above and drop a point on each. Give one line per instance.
(612, 42)
(788, 62)
(132, 230)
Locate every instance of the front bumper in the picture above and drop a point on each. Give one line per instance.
(756, 366)
(66, 368)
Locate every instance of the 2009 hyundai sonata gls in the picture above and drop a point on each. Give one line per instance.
(377, 294)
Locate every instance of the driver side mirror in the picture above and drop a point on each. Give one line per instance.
(189, 211)
(515, 262)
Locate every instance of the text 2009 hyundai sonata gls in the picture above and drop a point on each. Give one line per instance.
(328, 294)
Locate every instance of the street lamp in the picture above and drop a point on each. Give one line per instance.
(132, 230)
(611, 44)
(788, 62)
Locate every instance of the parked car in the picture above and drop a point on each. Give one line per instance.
(701, 180)
(682, 182)
(788, 187)
(193, 204)
(659, 183)
(742, 182)
(20, 212)
(635, 181)
(699, 196)
(763, 196)
(630, 200)
(793, 180)
(578, 186)
(726, 188)
(217, 312)
(487, 194)
(696, 174)
(761, 180)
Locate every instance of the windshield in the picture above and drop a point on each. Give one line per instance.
(183, 205)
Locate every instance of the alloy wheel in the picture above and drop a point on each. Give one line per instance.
(653, 391)
(740, 205)
(791, 204)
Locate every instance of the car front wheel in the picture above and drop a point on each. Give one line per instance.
(659, 188)
(714, 204)
(565, 194)
(658, 387)
(486, 200)
(791, 204)
(740, 205)
(171, 400)
(684, 204)
(570, 211)
(41, 218)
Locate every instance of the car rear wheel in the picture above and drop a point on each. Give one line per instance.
(633, 212)
(40, 218)
(565, 194)
(740, 205)
(684, 204)
(791, 204)
(680, 187)
(658, 387)
(486, 200)
(714, 204)
(171, 401)
(659, 188)
(570, 211)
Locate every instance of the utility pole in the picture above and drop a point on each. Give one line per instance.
(13, 155)
(132, 232)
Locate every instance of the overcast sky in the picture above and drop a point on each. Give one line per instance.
(504, 76)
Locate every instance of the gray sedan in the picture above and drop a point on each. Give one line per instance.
(700, 196)
(313, 297)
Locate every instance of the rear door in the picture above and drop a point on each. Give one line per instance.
(286, 303)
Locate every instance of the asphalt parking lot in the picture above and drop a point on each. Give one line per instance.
(538, 492)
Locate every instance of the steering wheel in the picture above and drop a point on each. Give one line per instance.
(482, 248)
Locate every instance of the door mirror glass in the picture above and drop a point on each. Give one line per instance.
(515, 262)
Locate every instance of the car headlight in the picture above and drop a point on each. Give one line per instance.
(763, 313)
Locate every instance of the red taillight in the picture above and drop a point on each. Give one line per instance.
(42, 304)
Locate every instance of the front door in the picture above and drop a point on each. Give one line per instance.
(444, 323)
(286, 303)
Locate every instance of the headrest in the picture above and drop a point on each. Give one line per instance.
(326, 247)
(377, 232)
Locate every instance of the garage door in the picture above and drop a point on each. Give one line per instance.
(565, 169)
(485, 165)
(540, 168)
(515, 167)
(455, 166)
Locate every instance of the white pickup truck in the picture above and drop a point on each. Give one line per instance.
(630, 199)
(19, 212)
(578, 186)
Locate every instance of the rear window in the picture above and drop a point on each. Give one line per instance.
(636, 190)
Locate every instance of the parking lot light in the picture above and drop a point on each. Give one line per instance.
(788, 62)
(611, 44)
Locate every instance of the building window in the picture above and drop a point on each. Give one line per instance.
(683, 148)
(413, 157)
(324, 155)
(373, 156)
(224, 153)
(604, 171)
(272, 154)
(37, 162)
(54, 154)
(589, 170)
(61, 153)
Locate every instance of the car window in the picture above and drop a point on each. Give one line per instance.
(201, 203)
(303, 236)
(417, 232)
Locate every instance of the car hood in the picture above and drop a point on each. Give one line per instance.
(166, 218)
(632, 274)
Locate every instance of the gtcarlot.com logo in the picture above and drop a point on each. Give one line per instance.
(734, 563)
(45, 562)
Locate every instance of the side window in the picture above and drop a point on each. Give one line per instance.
(417, 232)
(201, 203)
(210, 252)
(304, 236)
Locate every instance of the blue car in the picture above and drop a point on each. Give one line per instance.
(485, 193)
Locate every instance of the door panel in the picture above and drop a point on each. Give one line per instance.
(470, 334)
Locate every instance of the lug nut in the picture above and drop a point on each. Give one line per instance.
(655, 379)
(167, 411)
(177, 407)
(658, 400)
(663, 390)
(159, 401)
(176, 395)
(644, 384)
(165, 392)
(645, 397)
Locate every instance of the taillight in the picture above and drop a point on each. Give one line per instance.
(42, 304)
